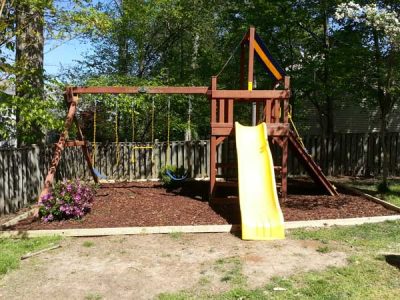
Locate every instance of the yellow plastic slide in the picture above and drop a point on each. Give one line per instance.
(262, 217)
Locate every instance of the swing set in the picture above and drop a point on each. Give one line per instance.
(273, 103)
(134, 146)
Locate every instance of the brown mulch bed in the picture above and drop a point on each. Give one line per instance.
(150, 204)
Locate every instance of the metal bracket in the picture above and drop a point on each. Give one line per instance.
(142, 90)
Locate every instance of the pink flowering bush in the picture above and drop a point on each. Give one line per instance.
(67, 200)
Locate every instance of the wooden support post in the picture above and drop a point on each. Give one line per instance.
(213, 141)
(213, 166)
(284, 170)
(250, 74)
(59, 147)
(267, 112)
(287, 83)
(221, 108)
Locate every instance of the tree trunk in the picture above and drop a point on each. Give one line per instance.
(326, 75)
(29, 62)
(385, 162)
(385, 107)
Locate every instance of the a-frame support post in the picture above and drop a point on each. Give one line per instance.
(285, 144)
(250, 73)
(213, 141)
(85, 151)
(59, 147)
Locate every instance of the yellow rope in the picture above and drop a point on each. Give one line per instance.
(133, 134)
(116, 138)
(294, 127)
(152, 122)
(94, 135)
(168, 127)
(152, 131)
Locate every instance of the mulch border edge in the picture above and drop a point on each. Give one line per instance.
(90, 232)
(369, 197)
(15, 220)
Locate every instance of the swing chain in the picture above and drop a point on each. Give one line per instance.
(94, 133)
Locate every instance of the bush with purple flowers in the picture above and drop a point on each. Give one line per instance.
(67, 200)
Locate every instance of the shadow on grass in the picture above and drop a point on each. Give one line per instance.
(393, 260)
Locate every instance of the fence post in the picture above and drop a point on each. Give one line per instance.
(34, 181)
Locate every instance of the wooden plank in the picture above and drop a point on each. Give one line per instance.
(189, 229)
(254, 95)
(202, 90)
(142, 163)
(221, 125)
(277, 111)
(221, 109)
(163, 151)
(213, 169)
(122, 231)
(20, 184)
(250, 65)
(230, 111)
(191, 159)
(222, 131)
(213, 111)
(196, 159)
(24, 176)
(268, 111)
(175, 154)
(21, 217)
(179, 154)
(35, 175)
(7, 171)
(15, 181)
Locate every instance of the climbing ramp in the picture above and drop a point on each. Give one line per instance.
(261, 214)
(310, 165)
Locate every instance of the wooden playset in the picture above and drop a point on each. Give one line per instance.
(270, 106)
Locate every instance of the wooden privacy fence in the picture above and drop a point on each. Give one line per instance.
(351, 154)
(22, 171)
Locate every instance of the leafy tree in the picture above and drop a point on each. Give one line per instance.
(379, 26)
(26, 25)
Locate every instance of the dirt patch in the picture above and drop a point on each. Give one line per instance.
(150, 204)
(141, 267)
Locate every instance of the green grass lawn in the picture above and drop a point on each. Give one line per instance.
(367, 275)
(371, 187)
(11, 250)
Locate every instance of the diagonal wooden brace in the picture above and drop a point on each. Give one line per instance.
(59, 147)
(85, 150)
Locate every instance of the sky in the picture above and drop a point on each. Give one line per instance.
(63, 54)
